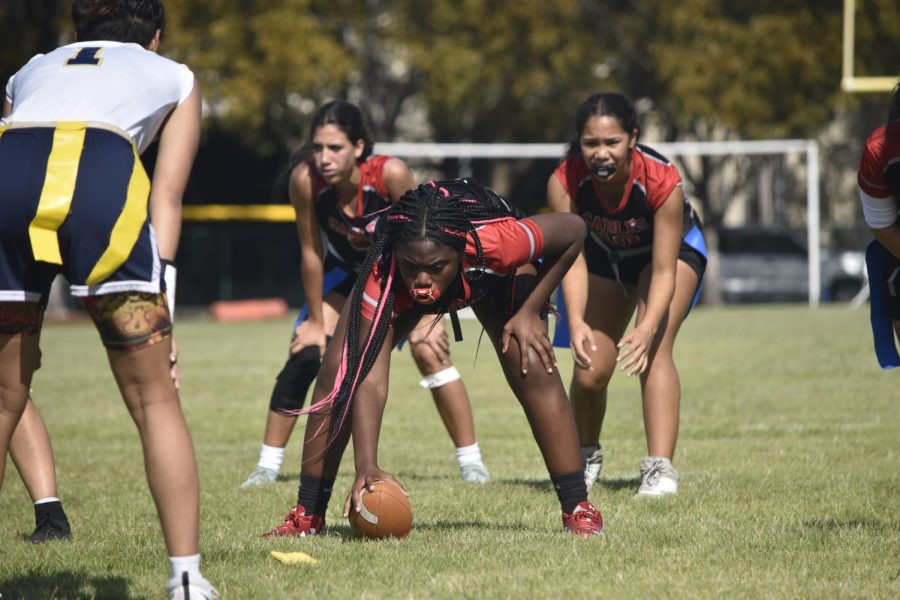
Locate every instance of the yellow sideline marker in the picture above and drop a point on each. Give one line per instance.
(294, 558)
(272, 213)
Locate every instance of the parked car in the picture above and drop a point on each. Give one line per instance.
(761, 264)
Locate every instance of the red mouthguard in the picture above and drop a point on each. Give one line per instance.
(425, 295)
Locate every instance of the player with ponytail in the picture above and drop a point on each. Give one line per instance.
(644, 254)
(444, 246)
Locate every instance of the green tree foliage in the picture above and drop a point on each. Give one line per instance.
(750, 65)
(27, 27)
(743, 69)
(877, 38)
(263, 64)
(501, 71)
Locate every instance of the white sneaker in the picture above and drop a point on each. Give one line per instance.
(260, 476)
(475, 473)
(592, 463)
(658, 477)
(181, 588)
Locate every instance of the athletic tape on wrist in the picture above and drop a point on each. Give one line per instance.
(436, 380)
(169, 276)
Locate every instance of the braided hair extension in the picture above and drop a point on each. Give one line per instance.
(446, 212)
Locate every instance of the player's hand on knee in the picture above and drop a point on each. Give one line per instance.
(433, 335)
(530, 332)
(309, 333)
(634, 351)
(582, 344)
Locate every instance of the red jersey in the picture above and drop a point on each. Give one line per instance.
(630, 224)
(348, 238)
(507, 245)
(879, 168)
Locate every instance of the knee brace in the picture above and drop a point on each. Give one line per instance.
(295, 378)
(436, 380)
(21, 318)
(130, 320)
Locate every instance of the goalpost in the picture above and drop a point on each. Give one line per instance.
(850, 83)
(808, 148)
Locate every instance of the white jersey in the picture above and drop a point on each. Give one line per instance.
(123, 85)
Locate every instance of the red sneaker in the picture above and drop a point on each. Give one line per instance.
(298, 524)
(584, 521)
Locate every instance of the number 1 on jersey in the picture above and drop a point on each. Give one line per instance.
(86, 56)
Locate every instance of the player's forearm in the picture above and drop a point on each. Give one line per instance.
(312, 274)
(575, 289)
(165, 214)
(659, 297)
(368, 410)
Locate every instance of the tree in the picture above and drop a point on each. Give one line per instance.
(27, 27)
(263, 65)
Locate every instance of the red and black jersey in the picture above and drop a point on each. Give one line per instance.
(506, 244)
(879, 168)
(348, 238)
(630, 224)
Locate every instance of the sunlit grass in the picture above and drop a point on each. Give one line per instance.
(788, 460)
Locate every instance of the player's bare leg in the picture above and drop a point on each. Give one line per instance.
(169, 460)
(543, 397)
(301, 370)
(588, 389)
(661, 388)
(32, 454)
(431, 352)
(18, 361)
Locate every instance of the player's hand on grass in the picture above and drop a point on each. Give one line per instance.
(582, 342)
(308, 333)
(634, 351)
(530, 332)
(366, 479)
(434, 335)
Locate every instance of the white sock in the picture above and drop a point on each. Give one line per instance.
(468, 455)
(189, 564)
(587, 451)
(46, 500)
(270, 457)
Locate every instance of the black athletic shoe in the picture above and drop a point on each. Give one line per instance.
(50, 526)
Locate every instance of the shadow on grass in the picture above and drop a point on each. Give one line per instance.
(830, 524)
(621, 483)
(347, 534)
(65, 584)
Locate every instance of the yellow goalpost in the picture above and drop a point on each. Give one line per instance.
(850, 83)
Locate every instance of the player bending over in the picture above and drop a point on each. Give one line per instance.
(444, 246)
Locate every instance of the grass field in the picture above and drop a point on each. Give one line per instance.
(788, 454)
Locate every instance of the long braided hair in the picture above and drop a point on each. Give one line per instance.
(446, 212)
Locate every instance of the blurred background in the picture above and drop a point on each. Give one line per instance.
(513, 71)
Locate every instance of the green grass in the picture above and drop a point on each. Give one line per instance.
(788, 460)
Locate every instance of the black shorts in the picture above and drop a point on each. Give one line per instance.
(599, 262)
